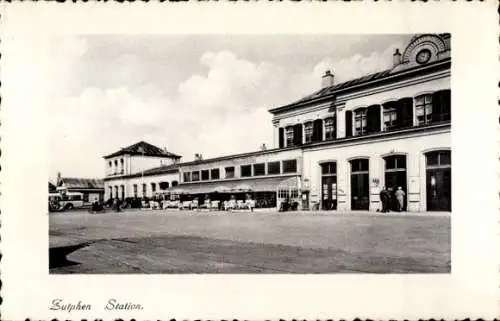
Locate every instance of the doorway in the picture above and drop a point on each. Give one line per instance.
(360, 188)
(395, 176)
(438, 181)
(329, 186)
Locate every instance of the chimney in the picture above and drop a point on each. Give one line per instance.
(263, 147)
(327, 79)
(397, 58)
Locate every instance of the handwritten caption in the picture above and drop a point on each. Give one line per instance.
(110, 305)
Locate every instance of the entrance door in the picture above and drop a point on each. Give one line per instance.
(360, 188)
(329, 186)
(395, 176)
(438, 181)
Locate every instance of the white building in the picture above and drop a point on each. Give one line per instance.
(346, 141)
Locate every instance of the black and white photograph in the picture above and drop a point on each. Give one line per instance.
(275, 160)
(254, 154)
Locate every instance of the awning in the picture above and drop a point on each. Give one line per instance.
(264, 184)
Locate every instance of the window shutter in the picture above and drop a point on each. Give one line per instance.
(348, 123)
(281, 138)
(297, 135)
(373, 119)
(406, 107)
(446, 104)
(317, 130)
(437, 106)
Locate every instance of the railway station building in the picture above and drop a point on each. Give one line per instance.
(333, 149)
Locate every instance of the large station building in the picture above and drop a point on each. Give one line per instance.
(334, 149)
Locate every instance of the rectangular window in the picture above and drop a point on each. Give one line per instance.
(187, 177)
(229, 172)
(289, 136)
(259, 169)
(423, 109)
(360, 122)
(390, 118)
(215, 173)
(205, 175)
(308, 132)
(246, 170)
(135, 190)
(144, 189)
(274, 168)
(290, 166)
(153, 187)
(330, 128)
(195, 176)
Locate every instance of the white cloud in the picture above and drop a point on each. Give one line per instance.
(220, 110)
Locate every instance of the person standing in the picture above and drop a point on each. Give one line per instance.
(400, 197)
(384, 199)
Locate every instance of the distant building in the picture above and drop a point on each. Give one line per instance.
(91, 188)
(335, 148)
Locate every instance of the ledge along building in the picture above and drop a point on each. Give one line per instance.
(334, 149)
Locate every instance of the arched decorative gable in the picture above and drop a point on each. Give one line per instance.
(424, 49)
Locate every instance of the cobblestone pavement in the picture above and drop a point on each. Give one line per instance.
(146, 241)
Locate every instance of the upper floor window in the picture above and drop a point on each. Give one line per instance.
(360, 121)
(153, 187)
(135, 190)
(215, 173)
(290, 166)
(289, 136)
(308, 132)
(246, 170)
(195, 176)
(110, 164)
(390, 117)
(330, 128)
(187, 176)
(205, 175)
(273, 168)
(259, 169)
(175, 183)
(144, 189)
(423, 109)
(229, 172)
(121, 165)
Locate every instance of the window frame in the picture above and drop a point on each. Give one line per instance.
(233, 171)
(215, 177)
(423, 106)
(269, 168)
(330, 129)
(285, 170)
(308, 132)
(360, 113)
(256, 173)
(242, 171)
(205, 177)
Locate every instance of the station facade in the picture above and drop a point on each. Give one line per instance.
(334, 149)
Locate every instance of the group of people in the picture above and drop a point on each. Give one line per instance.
(392, 199)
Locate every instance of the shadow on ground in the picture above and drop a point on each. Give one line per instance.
(58, 255)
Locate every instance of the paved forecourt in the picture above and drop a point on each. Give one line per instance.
(147, 241)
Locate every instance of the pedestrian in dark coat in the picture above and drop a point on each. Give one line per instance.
(384, 199)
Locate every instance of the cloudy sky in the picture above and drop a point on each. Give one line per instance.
(191, 94)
